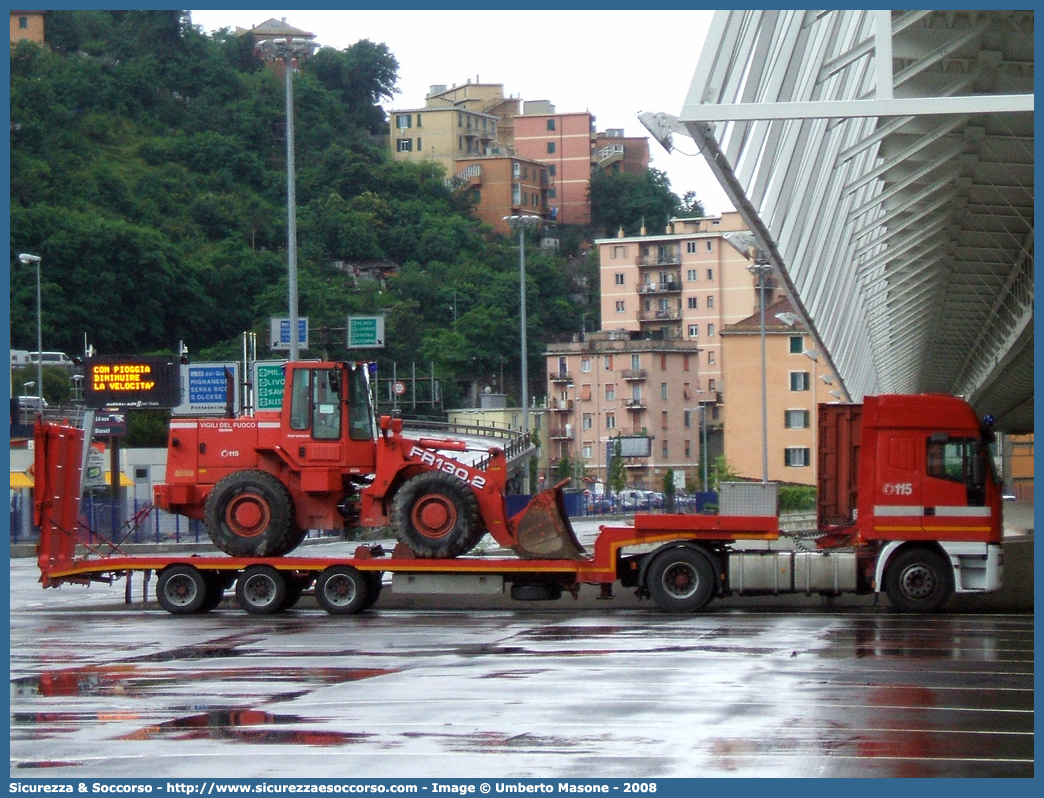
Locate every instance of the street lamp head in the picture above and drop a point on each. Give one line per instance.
(25, 257)
(788, 318)
(812, 354)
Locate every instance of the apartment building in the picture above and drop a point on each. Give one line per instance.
(566, 142)
(615, 384)
(442, 135)
(502, 186)
(620, 154)
(797, 381)
(27, 26)
(658, 358)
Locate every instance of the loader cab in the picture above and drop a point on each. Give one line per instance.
(329, 417)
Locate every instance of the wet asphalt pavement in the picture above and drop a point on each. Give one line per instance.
(599, 689)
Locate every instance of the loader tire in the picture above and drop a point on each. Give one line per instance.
(251, 514)
(436, 515)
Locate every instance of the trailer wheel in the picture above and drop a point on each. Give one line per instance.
(680, 580)
(374, 585)
(250, 514)
(182, 590)
(261, 590)
(436, 515)
(217, 583)
(342, 590)
(918, 580)
(295, 586)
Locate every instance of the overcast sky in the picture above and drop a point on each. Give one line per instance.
(611, 63)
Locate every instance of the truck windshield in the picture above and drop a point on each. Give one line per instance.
(361, 423)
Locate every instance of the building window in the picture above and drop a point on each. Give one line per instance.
(712, 385)
(404, 145)
(550, 147)
(692, 275)
(710, 274)
(796, 457)
(516, 194)
(694, 331)
(550, 124)
(587, 451)
(476, 196)
(663, 391)
(418, 120)
(796, 347)
(694, 303)
(618, 278)
(710, 358)
(636, 362)
(610, 392)
(690, 247)
(552, 169)
(585, 365)
(620, 252)
(587, 422)
(688, 449)
(620, 306)
(610, 421)
(710, 245)
(710, 330)
(516, 169)
(420, 147)
(402, 121)
(665, 447)
(552, 193)
(710, 303)
(796, 419)
(607, 362)
(799, 380)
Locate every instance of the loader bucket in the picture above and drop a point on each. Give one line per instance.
(542, 529)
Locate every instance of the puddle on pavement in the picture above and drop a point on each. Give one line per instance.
(128, 680)
(246, 726)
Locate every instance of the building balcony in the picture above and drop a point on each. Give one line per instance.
(563, 433)
(634, 375)
(669, 287)
(659, 259)
(562, 405)
(560, 376)
(636, 404)
(659, 314)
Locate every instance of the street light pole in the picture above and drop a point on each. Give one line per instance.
(27, 258)
(760, 270)
(286, 50)
(520, 221)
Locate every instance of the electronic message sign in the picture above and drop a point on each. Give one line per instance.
(139, 382)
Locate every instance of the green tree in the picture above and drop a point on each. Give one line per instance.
(617, 478)
(721, 471)
(629, 201)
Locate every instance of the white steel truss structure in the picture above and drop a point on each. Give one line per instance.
(884, 162)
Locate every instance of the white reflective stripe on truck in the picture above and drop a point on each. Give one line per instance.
(893, 510)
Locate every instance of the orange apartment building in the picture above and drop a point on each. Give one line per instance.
(796, 383)
(566, 142)
(27, 26)
(664, 301)
(503, 186)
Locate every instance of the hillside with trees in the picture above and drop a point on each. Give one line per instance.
(148, 170)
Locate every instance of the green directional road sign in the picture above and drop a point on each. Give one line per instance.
(268, 379)
(365, 332)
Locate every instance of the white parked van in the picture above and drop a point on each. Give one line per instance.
(19, 358)
(52, 359)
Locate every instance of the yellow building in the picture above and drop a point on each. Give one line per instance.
(796, 382)
(442, 135)
(27, 26)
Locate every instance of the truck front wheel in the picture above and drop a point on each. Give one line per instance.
(680, 580)
(250, 514)
(436, 515)
(918, 580)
